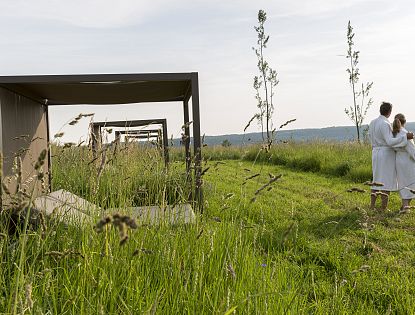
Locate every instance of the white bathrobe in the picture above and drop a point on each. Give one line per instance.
(405, 167)
(383, 154)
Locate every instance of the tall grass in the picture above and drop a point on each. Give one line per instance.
(304, 245)
(133, 177)
(348, 160)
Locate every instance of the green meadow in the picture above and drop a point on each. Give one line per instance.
(279, 234)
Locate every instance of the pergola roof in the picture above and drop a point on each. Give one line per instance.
(101, 88)
(128, 123)
(140, 131)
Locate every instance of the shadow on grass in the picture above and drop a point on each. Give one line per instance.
(287, 237)
(337, 225)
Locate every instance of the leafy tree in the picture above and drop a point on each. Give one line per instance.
(361, 99)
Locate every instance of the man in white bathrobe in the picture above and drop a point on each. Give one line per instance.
(383, 155)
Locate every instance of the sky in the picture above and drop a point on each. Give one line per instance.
(307, 47)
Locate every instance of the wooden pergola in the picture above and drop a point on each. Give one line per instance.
(96, 132)
(24, 103)
(146, 134)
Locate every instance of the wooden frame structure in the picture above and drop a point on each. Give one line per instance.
(150, 134)
(96, 133)
(24, 102)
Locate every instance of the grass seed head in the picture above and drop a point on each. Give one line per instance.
(28, 295)
(375, 184)
(231, 271)
(356, 189)
(124, 240)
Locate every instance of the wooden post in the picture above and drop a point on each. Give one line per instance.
(165, 143)
(197, 141)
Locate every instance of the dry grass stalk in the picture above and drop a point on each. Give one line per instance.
(64, 254)
(187, 125)
(102, 165)
(43, 224)
(200, 234)
(228, 196)
(405, 210)
(376, 184)
(217, 163)
(204, 171)
(287, 232)
(124, 239)
(356, 189)
(120, 222)
(144, 251)
(250, 121)
(93, 160)
(250, 177)
(40, 160)
(68, 145)
(18, 174)
(231, 271)
(363, 268)
(28, 295)
(37, 138)
(270, 182)
(287, 122)
(21, 137)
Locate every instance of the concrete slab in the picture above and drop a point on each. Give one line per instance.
(70, 208)
(179, 214)
(66, 206)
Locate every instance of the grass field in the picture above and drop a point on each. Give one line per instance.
(299, 244)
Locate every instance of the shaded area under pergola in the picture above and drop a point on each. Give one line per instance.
(24, 102)
(96, 132)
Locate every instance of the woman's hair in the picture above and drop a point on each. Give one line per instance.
(398, 123)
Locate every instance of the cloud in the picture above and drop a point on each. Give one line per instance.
(121, 13)
(85, 13)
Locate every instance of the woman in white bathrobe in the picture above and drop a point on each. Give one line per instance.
(405, 162)
(384, 155)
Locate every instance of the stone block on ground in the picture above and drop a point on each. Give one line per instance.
(66, 206)
(70, 208)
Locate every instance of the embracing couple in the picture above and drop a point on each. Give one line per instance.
(393, 158)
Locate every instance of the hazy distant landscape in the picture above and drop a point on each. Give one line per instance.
(337, 134)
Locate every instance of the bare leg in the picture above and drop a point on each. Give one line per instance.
(385, 199)
(373, 197)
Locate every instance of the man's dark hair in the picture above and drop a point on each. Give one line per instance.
(385, 108)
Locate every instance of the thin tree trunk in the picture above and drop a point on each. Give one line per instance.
(266, 92)
(354, 99)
